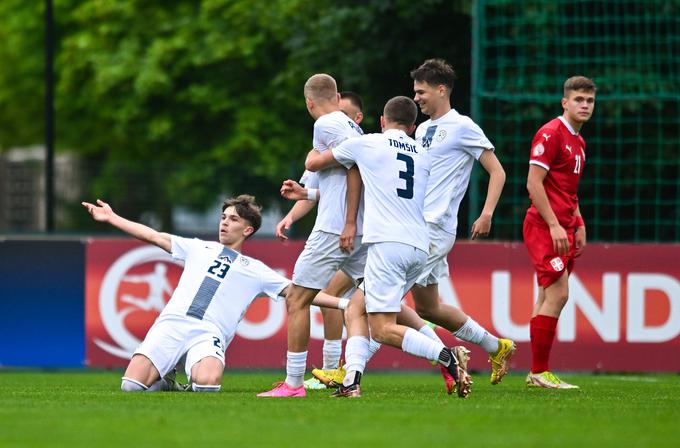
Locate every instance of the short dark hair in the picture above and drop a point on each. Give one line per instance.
(246, 208)
(435, 72)
(353, 98)
(578, 83)
(401, 110)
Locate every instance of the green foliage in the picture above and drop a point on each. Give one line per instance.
(21, 76)
(177, 103)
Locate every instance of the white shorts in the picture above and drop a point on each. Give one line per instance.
(172, 337)
(436, 267)
(391, 270)
(321, 258)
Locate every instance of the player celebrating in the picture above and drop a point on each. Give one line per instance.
(216, 287)
(331, 245)
(554, 232)
(453, 141)
(394, 170)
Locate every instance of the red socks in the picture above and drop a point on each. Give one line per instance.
(542, 332)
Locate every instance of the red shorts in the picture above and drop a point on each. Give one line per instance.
(548, 265)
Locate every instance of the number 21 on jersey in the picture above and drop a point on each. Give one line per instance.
(578, 166)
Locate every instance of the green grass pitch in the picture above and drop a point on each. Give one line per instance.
(85, 408)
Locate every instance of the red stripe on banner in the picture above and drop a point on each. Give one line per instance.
(623, 313)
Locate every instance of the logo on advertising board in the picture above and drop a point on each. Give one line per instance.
(131, 292)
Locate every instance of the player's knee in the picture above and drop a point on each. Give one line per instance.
(207, 378)
(297, 304)
(205, 387)
(354, 310)
(381, 335)
(130, 385)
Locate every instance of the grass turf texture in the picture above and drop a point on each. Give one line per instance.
(83, 408)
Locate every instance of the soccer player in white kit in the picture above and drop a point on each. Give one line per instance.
(394, 171)
(214, 291)
(323, 254)
(341, 284)
(454, 142)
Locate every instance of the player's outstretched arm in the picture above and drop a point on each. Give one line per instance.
(489, 161)
(323, 299)
(103, 212)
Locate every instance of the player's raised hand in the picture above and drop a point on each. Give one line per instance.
(101, 212)
(283, 227)
(481, 227)
(292, 190)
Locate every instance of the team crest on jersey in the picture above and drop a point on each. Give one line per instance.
(539, 150)
(557, 264)
(244, 261)
(440, 136)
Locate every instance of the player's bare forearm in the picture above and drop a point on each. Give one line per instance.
(493, 166)
(580, 235)
(317, 161)
(354, 186)
(328, 301)
(301, 208)
(102, 212)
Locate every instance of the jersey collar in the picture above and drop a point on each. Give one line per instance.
(566, 123)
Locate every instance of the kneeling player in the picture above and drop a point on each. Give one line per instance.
(214, 291)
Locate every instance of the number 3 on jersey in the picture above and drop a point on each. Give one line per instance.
(406, 193)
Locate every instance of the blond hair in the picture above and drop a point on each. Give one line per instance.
(321, 87)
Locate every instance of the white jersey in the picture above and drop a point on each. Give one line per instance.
(218, 284)
(453, 141)
(329, 131)
(309, 179)
(394, 170)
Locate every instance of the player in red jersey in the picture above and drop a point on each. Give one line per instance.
(554, 231)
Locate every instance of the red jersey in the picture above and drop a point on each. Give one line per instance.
(559, 150)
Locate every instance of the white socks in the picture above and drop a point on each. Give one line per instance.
(130, 385)
(420, 345)
(373, 346)
(357, 353)
(296, 363)
(430, 333)
(471, 331)
(332, 350)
